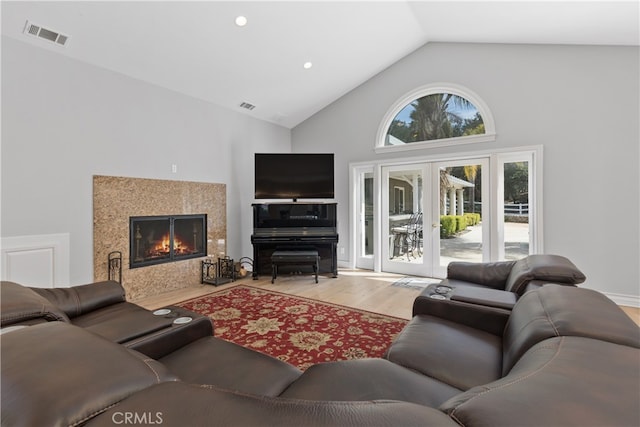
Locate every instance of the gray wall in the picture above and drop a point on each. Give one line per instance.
(64, 121)
(579, 102)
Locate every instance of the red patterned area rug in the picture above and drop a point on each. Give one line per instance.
(298, 330)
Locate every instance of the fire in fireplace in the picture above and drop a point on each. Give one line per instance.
(160, 239)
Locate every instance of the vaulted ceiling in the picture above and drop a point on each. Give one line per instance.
(197, 49)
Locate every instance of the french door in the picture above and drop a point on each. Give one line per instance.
(432, 214)
(415, 218)
(404, 199)
(462, 194)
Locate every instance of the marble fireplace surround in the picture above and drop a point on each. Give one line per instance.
(115, 199)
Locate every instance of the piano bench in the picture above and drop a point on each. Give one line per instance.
(294, 257)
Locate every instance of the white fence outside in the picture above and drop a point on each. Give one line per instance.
(520, 209)
(513, 209)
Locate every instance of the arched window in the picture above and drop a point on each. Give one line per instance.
(434, 116)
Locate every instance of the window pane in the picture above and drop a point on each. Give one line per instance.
(516, 210)
(460, 208)
(405, 215)
(367, 185)
(435, 116)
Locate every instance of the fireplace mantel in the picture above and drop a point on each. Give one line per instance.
(117, 199)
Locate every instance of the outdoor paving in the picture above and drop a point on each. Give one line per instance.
(467, 246)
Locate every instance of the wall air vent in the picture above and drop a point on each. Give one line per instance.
(53, 36)
(247, 106)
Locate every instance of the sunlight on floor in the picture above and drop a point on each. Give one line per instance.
(383, 277)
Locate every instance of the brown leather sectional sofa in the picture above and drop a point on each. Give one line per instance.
(102, 309)
(562, 356)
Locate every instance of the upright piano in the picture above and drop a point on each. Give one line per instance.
(294, 226)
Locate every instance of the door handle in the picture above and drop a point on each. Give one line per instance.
(435, 225)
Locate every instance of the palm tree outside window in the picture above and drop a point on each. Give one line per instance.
(435, 116)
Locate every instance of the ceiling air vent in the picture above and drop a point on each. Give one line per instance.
(37, 31)
(247, 106)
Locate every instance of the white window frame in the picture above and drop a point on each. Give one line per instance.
(497, 158)
(534, 160)
(358, 258)
(430, 89)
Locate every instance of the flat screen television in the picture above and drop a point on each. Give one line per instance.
(294, 176)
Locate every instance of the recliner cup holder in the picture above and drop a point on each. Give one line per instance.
(442, 289)
(439, 292)
(182, 320)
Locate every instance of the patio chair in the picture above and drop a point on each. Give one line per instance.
(407, 238)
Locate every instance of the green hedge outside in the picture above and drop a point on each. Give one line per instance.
(447, 225)
(451, 224)
(472, 218)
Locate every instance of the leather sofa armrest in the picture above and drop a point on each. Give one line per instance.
(491, 319)
(484, 296)
(82, 299)
(491, 274)
(162, 342)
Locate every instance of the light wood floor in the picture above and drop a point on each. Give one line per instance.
(633, 312)
(353, 288)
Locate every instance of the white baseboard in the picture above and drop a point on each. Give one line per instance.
(38, 260)
(344, 264)
(622, 299)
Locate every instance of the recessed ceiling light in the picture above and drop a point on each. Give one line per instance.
(307, 65)
(241, 21)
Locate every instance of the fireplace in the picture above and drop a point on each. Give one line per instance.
(160, 239)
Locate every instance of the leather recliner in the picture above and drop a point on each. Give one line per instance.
(518, 277)
(496, 286)
(102, 309)
(566, 356)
